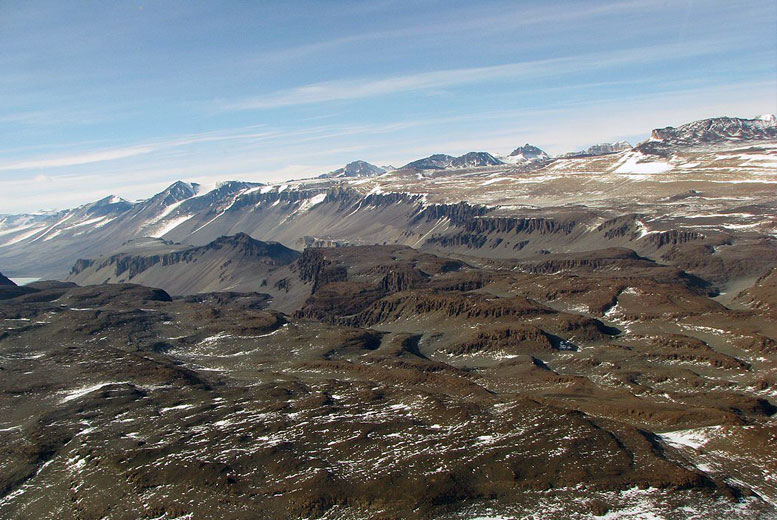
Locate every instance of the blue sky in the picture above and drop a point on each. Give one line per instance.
(125, 97)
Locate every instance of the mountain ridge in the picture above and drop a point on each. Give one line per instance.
(237, 262)
(357, 168)
(709, 131)
(345, 211)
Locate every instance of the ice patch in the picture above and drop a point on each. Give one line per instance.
(179, 407)
(640, 164)
(169, 226)
(492, 181)
(690, 438)
(307, 204)
(79, 392)
(169, 209)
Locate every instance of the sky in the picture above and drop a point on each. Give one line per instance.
(125, 97)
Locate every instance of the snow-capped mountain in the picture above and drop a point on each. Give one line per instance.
(442, 161)
(718, 129)
(109, 222)
(355, 169)
(527, 154)
(713, 130)
(402, 207)
(600, 149)
(475, 160)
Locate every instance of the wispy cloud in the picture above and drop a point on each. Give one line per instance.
(115, 153)
(359, 88)
(472, 19)
(77, 159)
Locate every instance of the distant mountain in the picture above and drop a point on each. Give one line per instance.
(355, 169)
(442, 161)
(397, 208)
(475, 160)
(438, 161)
(599, 149)
(527, 154)
(233, 262)
(104, 225)
(176, 192)
(708, 131)
(5, 281)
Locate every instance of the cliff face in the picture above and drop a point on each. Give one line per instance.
(458, 214)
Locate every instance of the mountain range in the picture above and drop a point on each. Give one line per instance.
(592, 335)
(422, 213)
(600, 149)
(708, 131)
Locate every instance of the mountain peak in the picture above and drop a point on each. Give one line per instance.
(441, 161)
(5, 281)
(355, 169)
(475, 159)
(248, 245)
(236, 239)
(437, 161)
(178, 191)
(527, 154)
(110, 200)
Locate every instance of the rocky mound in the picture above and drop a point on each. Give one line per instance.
(235, 262)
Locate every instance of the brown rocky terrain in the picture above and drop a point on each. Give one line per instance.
(398, 384)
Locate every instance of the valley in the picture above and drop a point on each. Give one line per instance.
(587, 336)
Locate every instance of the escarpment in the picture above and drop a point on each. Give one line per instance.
(458, 214)
(242, 245)
(415, 304)
(505, 341)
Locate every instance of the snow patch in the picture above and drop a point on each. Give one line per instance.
(690, 438)
(641, 164)
(492, 181)
(79, 392)
(169, 226)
